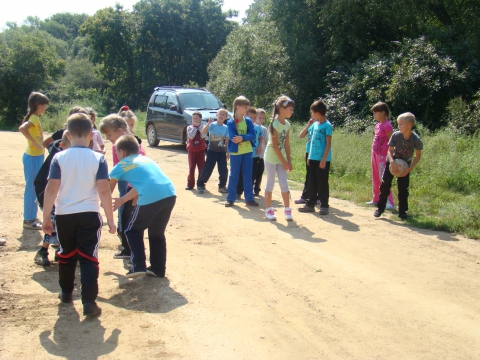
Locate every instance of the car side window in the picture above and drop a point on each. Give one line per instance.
(171, 100)
(160, 101)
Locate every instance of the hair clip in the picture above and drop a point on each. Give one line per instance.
(286, 102)
(237, 121)
(124, 108)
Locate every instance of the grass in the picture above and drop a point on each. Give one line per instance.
(444, 187)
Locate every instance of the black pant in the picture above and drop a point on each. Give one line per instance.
(214, 157)
(305, 186)
(403, 184)
(153, 217)
(317, 184)
(257, 173)
(79, 235)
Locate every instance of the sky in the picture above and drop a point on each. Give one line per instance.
(18, 10)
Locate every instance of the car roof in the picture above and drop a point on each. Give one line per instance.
(180, 89)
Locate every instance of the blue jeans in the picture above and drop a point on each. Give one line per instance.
(214, 157)
(31, 165)
(245, 163)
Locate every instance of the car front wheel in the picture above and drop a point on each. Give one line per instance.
(152, 135)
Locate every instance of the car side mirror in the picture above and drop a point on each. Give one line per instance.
(173, 107)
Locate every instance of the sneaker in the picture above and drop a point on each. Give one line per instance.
(306, 209)
(200, 189)
(378, 213)
(2, 241)
(134, 274)
(403, 215)
(65, 298)
(389, 206)
(122, 254)
(300, 201)
(32, 224)
(41, 258)
(229, 204)
(373, 203)
(270, 214)
(257, 194)
(189, 188)
(152, 273)
(288, 214)
(323, 211)
(223, 190)
(252, 203)
(91, 309)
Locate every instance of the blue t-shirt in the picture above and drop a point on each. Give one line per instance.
(145, 176)
(319, 141)
(258, 134)
(216, 137)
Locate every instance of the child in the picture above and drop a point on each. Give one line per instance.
(261, 114)
(41, 180)
(241, 134)
(156, 199)
(258, 163)
(33, 156)
(113, 127)
(306, 130)
(196, 148)
(216, 153)
(277, 155)
(252, 114)
(98, 144)
(77, 182)
(131, 120)
(319, 159)
(58, 135)
(402, 145)
(383, 131)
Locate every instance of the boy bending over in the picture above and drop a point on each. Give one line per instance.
(156, 199)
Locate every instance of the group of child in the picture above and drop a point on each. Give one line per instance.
(73, 180)
(72, 183)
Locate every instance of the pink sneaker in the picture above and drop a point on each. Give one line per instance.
(288, 214)
(270, 214)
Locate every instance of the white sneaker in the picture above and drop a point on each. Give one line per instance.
(389, 206)
(371, 203)
(270, 214)
(288, 214)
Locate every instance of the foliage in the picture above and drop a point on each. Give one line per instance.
(27, 63)
(253, 63)
(159, 42)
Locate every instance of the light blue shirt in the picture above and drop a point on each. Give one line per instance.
(318, 142)
(258, 134)
(216, 137)
(146, 177)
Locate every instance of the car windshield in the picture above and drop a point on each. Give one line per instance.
(200, 101)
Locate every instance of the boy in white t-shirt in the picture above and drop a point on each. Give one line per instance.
(78, 180)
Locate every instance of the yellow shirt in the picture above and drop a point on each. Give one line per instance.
(37, 133)
(245, 146)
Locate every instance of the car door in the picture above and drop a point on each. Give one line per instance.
(175, 121)
(156, 112)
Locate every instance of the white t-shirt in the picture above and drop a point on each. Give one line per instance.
(97, 140)
(78, 169)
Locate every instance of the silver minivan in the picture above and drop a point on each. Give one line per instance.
(170, 109)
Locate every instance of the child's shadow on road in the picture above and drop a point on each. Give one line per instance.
(75, 339)
(30, 240)
(336, 217)
(148, 294)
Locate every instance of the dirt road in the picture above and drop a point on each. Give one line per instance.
(342, 286)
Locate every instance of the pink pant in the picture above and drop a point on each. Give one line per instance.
(378, 167)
